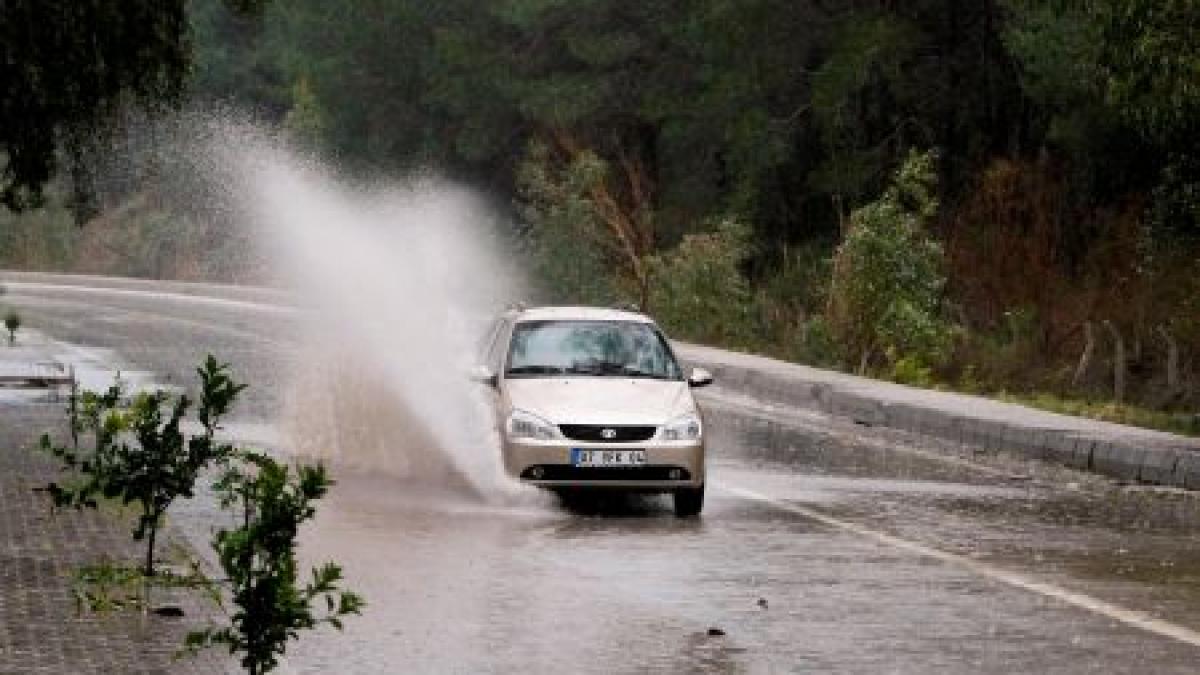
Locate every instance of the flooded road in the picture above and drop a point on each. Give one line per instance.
(824, 547)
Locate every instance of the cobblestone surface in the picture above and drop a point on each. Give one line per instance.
(41, 628)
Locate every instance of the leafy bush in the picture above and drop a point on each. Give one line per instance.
(886, 296)
(816, 344)
(139, 454)
(910, 370)
(698, 290)
(259, 561)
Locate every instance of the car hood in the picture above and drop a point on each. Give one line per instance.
(600, 400)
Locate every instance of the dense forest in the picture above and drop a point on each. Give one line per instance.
(997, 196)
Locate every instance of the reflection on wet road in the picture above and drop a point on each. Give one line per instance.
(456, 586)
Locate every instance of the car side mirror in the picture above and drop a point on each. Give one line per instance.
(699, 378)
(483, 375)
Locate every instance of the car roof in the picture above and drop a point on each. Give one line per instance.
(579, 314)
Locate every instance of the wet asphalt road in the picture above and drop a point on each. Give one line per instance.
(824, 546)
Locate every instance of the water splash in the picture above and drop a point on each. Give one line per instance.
(400, 278)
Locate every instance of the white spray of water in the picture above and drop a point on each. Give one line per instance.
(400, 279)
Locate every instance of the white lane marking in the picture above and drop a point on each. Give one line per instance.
(164, 295)
(1125, 615)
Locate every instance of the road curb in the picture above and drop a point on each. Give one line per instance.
(1121, 452)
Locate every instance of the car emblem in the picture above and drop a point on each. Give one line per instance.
(608, 434)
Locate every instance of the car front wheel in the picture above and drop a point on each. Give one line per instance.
(689, 502)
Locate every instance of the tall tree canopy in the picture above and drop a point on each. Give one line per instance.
(67, 65)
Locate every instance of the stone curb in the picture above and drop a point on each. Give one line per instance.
(1125, 453)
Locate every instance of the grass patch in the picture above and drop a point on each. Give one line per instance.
(1175, 422)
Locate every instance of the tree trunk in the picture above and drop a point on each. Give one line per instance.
(1089, 351)
(149, 571)
(1118, 362)
(1172, 361)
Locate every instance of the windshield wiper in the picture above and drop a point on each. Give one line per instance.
(611, 368)
(535, 370)
(630, 371)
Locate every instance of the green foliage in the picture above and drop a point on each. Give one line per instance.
(567, 241)
(139, 454)
(888, 280)
(1116, 80)
(816, 343)
(237, 57)
(259, 562)
(1150, 62)
(912, 371)
(699, 291)
(799, 281)
(790, 295)
(66, 68)
(12, 323)
(66, 65)
(869, 54)
(109, 586)
(1187, 423)
(784, 116)
(1058, 47)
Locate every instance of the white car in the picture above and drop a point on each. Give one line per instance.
(593, 398)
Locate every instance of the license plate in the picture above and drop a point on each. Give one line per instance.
(582, 457)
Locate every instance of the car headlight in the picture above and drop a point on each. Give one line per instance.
(685, 428)
(527, 425)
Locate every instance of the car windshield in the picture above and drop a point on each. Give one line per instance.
(595, 348)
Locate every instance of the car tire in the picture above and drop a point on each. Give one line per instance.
(689, 502)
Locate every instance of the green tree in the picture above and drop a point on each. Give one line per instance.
(67, 66)
(259, 562)
(237, 55)
(141, 455)
(858, 99)
(886, 298)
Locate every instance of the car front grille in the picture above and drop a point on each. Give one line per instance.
(611, 433)
(602, 473)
